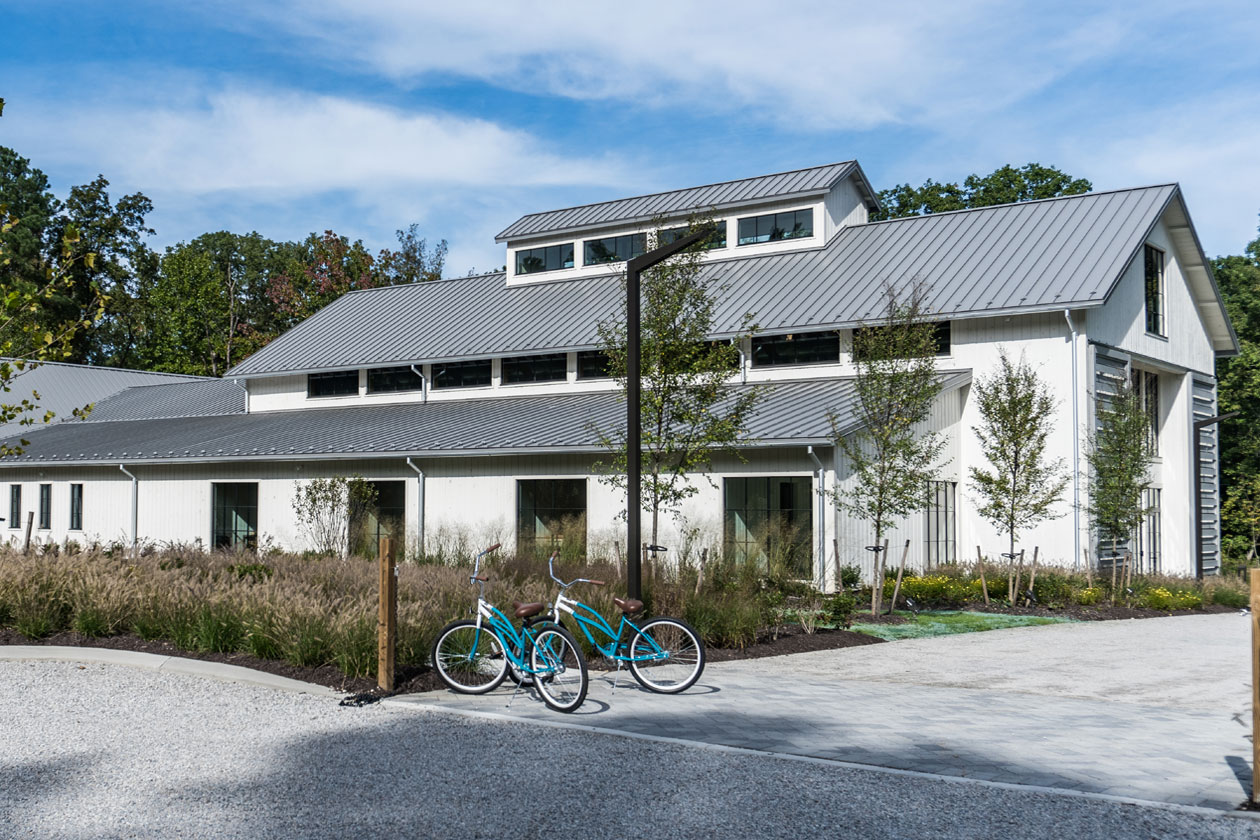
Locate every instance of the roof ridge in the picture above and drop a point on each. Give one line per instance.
(42, 363)
(1176, 185)
(478, 276)
(685, 189)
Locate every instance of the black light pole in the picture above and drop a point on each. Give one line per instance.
(634, 454)
(1199, 426)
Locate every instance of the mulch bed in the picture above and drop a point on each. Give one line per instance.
(410, 679)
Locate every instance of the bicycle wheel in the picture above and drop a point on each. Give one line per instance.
(560, 669)
(469, 659)
(679, 669)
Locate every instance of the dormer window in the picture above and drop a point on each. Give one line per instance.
(717, 240)
(613, 248)
(548, 367)
(472, 374)
(550, 258)
(341, 383)
(773, 227)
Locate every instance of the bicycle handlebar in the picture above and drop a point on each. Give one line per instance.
(476, 575)
(551, 568)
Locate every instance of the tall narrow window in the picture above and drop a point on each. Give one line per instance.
(1145, 384)
(1149, 535)
(76, 507)
(45, 506)
(942, 542)
(1154, 290)
(769, 519)
(235, 515)
(15, 505)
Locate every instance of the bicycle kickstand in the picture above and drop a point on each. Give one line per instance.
(616, 677)
(514, 692)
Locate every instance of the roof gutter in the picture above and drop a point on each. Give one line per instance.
(135, 506)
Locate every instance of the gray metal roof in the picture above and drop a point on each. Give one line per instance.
(797, 413)
(782, 185)
(64, 387)
(182, 399)
(1035, 256)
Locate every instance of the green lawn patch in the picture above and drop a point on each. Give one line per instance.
(949, 622)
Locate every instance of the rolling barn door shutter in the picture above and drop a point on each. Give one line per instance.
(1204, 395)
(1111, 372)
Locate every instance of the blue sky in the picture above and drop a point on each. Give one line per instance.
(362, 117)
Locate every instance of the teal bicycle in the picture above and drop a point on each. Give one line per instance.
(473, 656)
(664, 655)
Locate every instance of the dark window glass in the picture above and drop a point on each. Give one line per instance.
(76, 507)
(384, 517)
(392, 379)
(1154, 290)
(1145, 383)
(592, 364)
(472, 374)
(551, 514)
(15, 505)
(717, 240)
(771, 517)
(45, 506)
(338, 384)
(941, 335)
(551, 258)
(772, 227)
(545, 368)
(613, 248)
(1150, 533)
(235, 516)
(796, 349)
(942, 532)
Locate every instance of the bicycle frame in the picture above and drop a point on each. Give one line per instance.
(517, 642)
(588, 619)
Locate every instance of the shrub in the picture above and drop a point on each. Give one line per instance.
(92, 621)
(936, 591)
(839, 608)
(1228, 593)
(253, 572)
(218, 628)
(1052, 588)
(850, 576)
(1089, 596)
(1162, 598)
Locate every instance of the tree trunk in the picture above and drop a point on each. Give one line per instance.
(1019, 577)
(1113, 581)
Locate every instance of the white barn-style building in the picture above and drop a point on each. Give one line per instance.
(471, 401)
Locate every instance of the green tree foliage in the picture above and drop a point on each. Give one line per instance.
(891, 457)
(689, 411)
(1016, 417)
(1239, 390)
(1004, 185)
(327, 507)
(1119, 457)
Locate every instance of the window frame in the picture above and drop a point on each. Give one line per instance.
(759, 341)
(15, 506)
(714, 242)
(521, 254)
(439, 368)
(636, 245)
(329, 376)
(76, 507)
(45, 507)
(399, 371)
(806, 563)
(741, 240)
(517, 363)
(250, 538)
(941, 524)
(533, 542)
(1156, 316)
(586, 355)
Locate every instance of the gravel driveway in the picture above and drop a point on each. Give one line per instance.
(106, 751)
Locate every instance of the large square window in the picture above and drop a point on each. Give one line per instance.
(550, 514)
(235, 515)
(769, 521)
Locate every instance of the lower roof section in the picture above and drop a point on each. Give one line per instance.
(791, 413)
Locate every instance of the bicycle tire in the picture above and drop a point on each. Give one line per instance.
(686, 659)
(469, 660)
(561, 676)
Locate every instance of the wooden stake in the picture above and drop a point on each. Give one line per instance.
(1032, 577)
(704, 556)
(984, 584)
(1113, 580)
(1089, 571)
(387, 620)
(905, 552)
(30, 520)
(1019, 577)
(1255, 684)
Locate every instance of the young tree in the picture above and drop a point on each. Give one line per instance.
(689, 411)
(892, 459)
(1016, 418)
(1119, 458)
(327, 508)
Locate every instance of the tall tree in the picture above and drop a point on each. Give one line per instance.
(1004, 185)
(892, 458)
(1023, 483)
(689, 411)
(411, 261)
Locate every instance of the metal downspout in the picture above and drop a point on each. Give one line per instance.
(135, 506)
(424, 388)
(419, 508)
(821, 579)
(1076, 450)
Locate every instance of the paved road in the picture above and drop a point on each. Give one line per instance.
(1156, 709)
(111, 751)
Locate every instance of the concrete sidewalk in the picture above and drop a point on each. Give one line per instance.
(1156, 709)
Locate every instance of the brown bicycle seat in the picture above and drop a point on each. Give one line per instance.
(526, 610)
(482, 578)
(629, 606)
(596, 582)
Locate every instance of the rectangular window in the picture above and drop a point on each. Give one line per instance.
(545, 368)
(550, 258)
(613, 248)
(942, 542)
(76, 507)
(1149, 536)
(1154, 290)
(1145, 384)
(772, 227)
(810, 348)
(392, 380)
(15, 505)
(941, 336)
(592, 364)
(337, 384)
(769, 521)
(550, 514)
(45, 506)
(235, 515)
(474, 374)
(717, 240)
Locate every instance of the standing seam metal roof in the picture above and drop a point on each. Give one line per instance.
(764, 187)
(1034, 256)
(797, 412)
